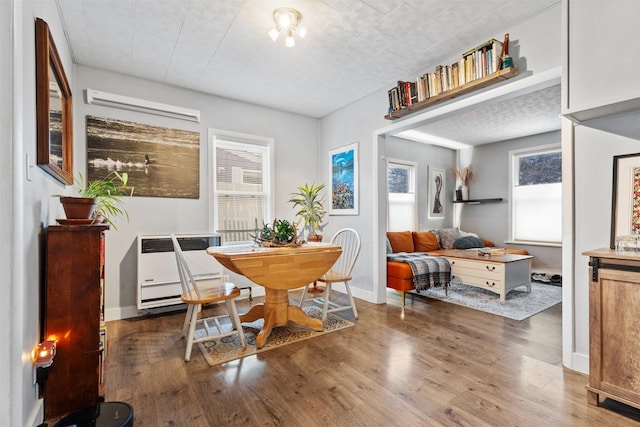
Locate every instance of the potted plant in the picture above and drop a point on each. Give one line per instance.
(282, 233)
(311, 210)
(98, 200)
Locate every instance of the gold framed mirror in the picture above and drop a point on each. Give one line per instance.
(53, 109)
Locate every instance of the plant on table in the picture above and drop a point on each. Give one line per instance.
(311, 210)
(281, 233)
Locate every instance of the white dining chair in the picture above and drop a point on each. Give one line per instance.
(349, 240)
(195, 294)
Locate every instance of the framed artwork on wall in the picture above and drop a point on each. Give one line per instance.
(161, 162)
(625, 209)
(54, 109)
(343, 170)
(436, 192)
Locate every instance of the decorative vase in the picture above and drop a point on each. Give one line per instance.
(465, 192)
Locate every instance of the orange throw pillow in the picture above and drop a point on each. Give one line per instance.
(401, 241)
(425, 241)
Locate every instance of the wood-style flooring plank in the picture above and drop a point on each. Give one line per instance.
(439, 364)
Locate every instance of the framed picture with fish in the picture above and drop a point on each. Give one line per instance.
(343, 172)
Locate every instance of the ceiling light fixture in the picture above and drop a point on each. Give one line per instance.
(288, 21)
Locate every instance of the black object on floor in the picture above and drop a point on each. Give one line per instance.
(549, 279)
(104, 414)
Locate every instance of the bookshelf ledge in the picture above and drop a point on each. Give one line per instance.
(478, 201)
(474, 85)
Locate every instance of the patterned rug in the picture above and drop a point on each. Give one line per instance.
(519, 303)
(229, 348)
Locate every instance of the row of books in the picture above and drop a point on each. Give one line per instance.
(481, 61)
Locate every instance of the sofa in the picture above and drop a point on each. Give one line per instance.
(432, 243)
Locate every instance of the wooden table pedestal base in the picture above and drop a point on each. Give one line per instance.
(276, 311)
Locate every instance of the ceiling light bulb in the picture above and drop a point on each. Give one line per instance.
(274, 33)
(301, 31)
(290, 41)
(285, 21)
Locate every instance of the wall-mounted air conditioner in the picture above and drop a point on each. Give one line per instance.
(97, 97)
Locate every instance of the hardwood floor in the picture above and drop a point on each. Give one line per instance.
(441, 365)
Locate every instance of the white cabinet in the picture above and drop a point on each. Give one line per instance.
(601, 58)
(158, 280)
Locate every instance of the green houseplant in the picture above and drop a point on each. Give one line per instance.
(98, 200)
(281, 233)
(310, 207)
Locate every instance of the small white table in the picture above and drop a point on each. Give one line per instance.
(499, 274)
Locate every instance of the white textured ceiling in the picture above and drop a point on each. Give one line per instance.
(352, 48)
(533, 113)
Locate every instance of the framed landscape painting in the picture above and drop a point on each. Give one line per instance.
(625, 209)
(161, 162)
(343, 170)
(436, 193)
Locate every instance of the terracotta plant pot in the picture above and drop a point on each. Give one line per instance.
(78, 207)
(314, 238)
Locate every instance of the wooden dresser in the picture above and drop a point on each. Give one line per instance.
(614, 327)
(72, 311)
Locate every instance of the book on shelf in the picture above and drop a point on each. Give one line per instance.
(476, 63)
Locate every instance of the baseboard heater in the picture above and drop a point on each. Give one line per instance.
(113, 100)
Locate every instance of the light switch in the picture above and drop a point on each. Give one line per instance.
(28, 166)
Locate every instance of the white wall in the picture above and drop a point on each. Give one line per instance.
(296, 139)
(9, 314)
(490, 180)
(29, 208)
(427, 156)
(594, 151)
(355, 123)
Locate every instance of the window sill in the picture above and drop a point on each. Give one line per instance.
(546, 244)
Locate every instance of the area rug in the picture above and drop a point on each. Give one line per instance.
(519, 304)
(229, 348)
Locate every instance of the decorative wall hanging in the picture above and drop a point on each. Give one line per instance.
(625, 211)
(436, 193)
(343, 170)
(161, 162)
(54, 128)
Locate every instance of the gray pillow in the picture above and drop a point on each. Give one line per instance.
(446, 237)
(468, 242)
(389, 248)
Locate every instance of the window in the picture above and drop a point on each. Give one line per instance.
(536, 195)
(241, 199)
(401, 214)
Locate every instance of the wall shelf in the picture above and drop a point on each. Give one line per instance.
(479, 201)
(474, 85)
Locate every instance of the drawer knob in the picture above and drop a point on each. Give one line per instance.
(491, 267)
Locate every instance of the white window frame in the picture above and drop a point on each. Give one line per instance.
(230, 138)
(513, 169)
(413, 185)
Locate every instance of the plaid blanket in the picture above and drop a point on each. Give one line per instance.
(428, 271)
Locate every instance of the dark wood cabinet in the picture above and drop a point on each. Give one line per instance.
(72, 314)
(614, 327)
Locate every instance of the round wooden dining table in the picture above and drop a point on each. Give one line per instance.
(278, 270)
